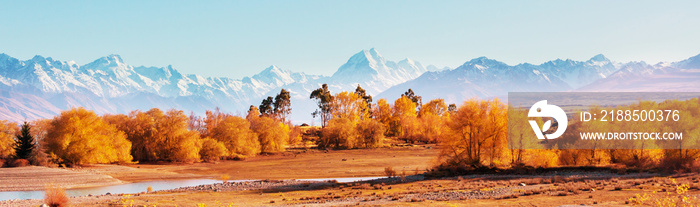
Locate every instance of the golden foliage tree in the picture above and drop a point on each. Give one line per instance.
(7, 134)
(477, 134)
(370, 133)
(272, 134)
(235, 133)
(212, 150)
(349, 105)
(338, 134)
(158, 136)
(79, 136)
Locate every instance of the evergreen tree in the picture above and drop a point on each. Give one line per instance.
(24, 143)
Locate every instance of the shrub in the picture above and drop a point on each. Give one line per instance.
(339, 134)
(56, 197)
(369, 133)
(212, 150)
(79, 136)
(7, 132)
(235, 133)
(272, 134)
(149, 189)
(389, 172)
(19, 163)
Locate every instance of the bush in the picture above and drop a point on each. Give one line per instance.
(56, 197)
(235, 133)
(389, 172)
(370, 133)
(212, 150)
(7, 132)
(19, 163)
(79, 136)
(272, 134)
(339, 134)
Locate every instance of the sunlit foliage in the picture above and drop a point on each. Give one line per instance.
(80, 136)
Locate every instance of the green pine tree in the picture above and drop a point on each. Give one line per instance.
(24, 143)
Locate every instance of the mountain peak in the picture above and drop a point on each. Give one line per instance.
(690, 63)
(599, 58)
(484, 61)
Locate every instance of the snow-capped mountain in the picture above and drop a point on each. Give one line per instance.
(682, 76)
(109, 85)
(40, 87)
(483, 77)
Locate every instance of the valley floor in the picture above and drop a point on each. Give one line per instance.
(549, 189)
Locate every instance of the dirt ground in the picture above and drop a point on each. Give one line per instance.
(300, 164)
(294, 164)
(36, 178)
(575, 189)
(554, 189)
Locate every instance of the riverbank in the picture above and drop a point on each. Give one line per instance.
(552, 189)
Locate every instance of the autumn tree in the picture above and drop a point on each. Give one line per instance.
(211, 120)
(383, 113)
(24, 143)
(368, 99)
(339, 134)
(7, 131)
(79, 136)
(405, 122)
(370, 133)
(435, 106)
(212, 150)
(323, 100)
(159, 136)
(236, 135)
(196, 123)
(272, 134)
(418, 100)
(349, 105)
(478, 133)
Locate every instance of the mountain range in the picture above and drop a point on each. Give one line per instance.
(41, 87)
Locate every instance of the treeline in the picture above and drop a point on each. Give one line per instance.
(471, 135)
(477, 135)
(80, 136)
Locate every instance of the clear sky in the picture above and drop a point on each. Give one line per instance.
(240, 38)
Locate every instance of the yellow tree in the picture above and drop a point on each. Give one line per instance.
(161, 136)
(7, 134)
(235, 133)
(349, 105)
(435, 106)
(478, 130)
(338, 134)
(370, 133)
(212, 150)
(272, 134)
(212, 120)
(383, 113)
(79, 136)
(405, 122)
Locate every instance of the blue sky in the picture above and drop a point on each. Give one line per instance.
(240, 38)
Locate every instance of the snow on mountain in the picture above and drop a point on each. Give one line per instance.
(484, 78)
(682, 76)
(40, 87)
(374, 73)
